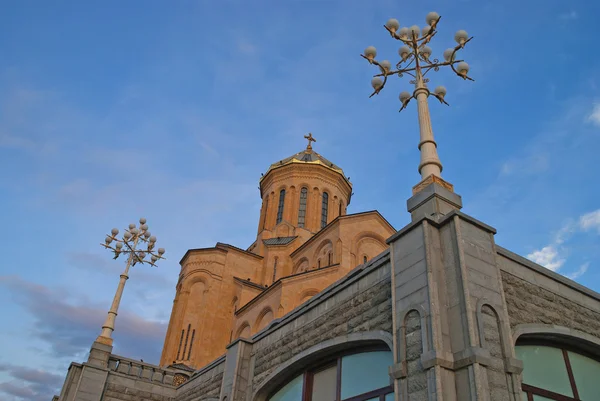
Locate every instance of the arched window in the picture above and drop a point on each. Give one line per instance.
(319, 264)
(360, 377)
(365, 259)
(324, 209)
(554, 373)
(329, 259)
(280, 208)
(275, 269)
(265, 212)
(302, 209)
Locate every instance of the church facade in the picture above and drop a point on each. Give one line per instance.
(305, 242)
(326, 305)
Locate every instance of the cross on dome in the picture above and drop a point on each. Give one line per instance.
(310, 139)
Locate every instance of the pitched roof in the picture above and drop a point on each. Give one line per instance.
(279, 240)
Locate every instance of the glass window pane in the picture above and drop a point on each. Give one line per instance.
(389, 397)
(540, 398)
(587, 373)
(365, 372)
(524, 396)
(290, 392)
(544, 367)
(324, 385)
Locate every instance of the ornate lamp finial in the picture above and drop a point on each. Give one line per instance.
(310, 139)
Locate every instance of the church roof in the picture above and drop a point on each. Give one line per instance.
(307, 156)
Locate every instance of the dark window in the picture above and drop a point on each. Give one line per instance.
(186, 340)
(365, 259)
(319, 264)
(191, 343)
(324, 209)
(302, 209)
(554, 373)
(180, 343)
(265, 210)
(340, 211)
(280, 208)
(329, 259)
(357, 377)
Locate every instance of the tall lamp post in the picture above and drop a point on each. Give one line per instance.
(138, 244)
(416, 61)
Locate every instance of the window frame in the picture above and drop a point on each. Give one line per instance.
(324, 209)
(281, 206)
(302, 203)
(336, 360)
(530, 390)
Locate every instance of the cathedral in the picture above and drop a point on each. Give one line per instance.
(330, 306)
(305, 241)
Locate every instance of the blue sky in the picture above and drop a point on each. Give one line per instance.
(110, 111)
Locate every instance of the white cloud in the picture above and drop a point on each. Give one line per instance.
(579, 272)
(590, 221)
(594, 116)
(548, 257)
(552, 255)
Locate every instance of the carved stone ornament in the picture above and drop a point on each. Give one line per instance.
(179, 379)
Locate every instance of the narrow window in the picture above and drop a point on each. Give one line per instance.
(180, 343)
(281, 203)
(340, 209)
(186, 340)
(365, 259)
(302, 209)
(319, 264)
(275, 270)
(329, 259)
(191, 343)
(324, 209)
(265, 212)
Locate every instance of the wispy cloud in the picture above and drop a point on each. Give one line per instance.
(590, 221)
(579, 272)
(70, 326)
(554, 255)
(29, 384)
(594, 116)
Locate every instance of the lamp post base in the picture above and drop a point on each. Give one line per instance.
(100, 353)
(430, 180)
(104, 340)
(433, 197)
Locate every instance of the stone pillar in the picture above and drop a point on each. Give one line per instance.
(451, 333)
(236, 377)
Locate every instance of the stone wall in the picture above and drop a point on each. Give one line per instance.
(528, 302)
(536, 295)
(205, 384)
(363, 306)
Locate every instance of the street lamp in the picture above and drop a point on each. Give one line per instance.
(128, 245)
(416, 61)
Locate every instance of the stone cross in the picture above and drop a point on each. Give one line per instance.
(310, 139)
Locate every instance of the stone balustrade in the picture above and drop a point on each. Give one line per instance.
(140, 370)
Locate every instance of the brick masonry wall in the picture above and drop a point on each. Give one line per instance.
(529, 303)
(366, 311)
